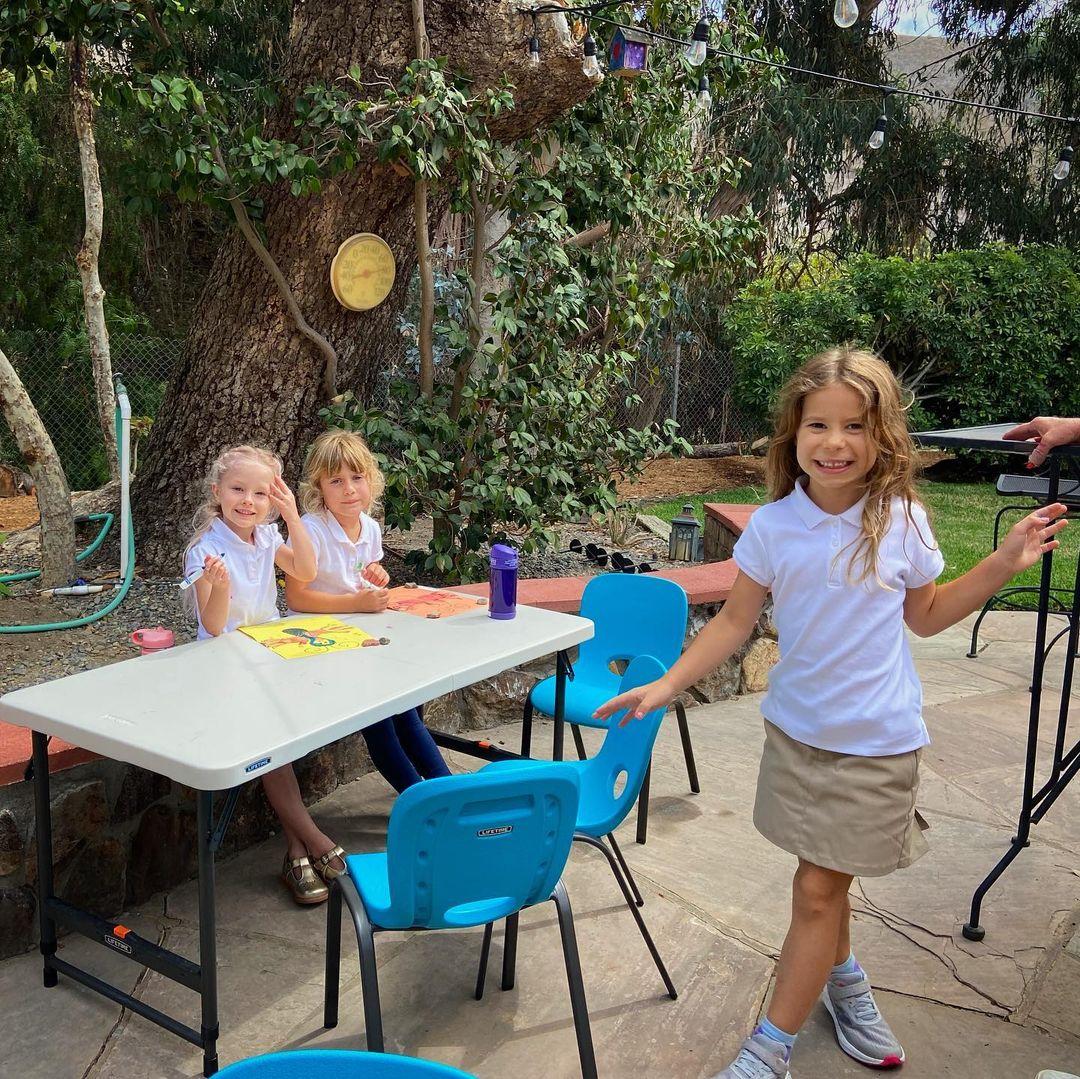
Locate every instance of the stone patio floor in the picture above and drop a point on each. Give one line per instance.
(716, 899)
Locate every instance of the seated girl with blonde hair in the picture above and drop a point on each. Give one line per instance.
(341, 482)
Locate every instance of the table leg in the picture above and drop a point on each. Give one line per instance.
(1067, 678)
(207, 933)
(43, 824)
(1066, 764)
(561, 664)
(972, 929)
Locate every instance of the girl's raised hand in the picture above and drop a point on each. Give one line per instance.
(376, 575)
(1032, 536)
(215, 571)
(283, 500)
(637, 703)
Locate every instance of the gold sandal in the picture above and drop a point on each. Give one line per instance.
(299, 876)
(326, 870)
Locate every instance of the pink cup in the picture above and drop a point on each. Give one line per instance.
(153, 640)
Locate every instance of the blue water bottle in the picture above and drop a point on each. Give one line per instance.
(503, 581)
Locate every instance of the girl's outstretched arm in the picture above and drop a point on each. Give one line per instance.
(714, 644)
(932, 608)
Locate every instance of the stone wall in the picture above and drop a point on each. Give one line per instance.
(122, 834)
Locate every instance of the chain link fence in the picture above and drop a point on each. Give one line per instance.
(698, 387)
(694, 386)
(55, 368)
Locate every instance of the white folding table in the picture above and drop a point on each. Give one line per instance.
(215, 714)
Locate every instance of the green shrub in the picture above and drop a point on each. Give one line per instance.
(532, 447)
(978, 336)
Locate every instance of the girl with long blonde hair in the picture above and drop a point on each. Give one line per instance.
(237, 548)
(847, 552)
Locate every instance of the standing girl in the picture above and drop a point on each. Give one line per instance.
(236, 548)
(341, 482)
(847, 551)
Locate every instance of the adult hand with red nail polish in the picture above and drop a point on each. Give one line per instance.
(1048, 432)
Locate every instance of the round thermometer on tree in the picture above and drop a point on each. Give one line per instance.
(362, 272)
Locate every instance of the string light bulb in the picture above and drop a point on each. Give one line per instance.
(590, 65)
(699, 43)
(704, 98)
(1064, 165)
(534, 46)
(877, 136)
(845, 13)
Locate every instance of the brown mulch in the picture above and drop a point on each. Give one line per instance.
(18, 512)
(671, 477)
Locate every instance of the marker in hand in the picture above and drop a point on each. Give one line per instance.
(191, 578)
(187, 581)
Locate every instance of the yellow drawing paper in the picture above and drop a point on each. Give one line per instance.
(297, 638)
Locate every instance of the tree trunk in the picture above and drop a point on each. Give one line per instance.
(426, 341)
(82, 104)
(53, 495)
(247, 374)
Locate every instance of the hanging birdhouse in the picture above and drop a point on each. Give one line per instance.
(629, 53)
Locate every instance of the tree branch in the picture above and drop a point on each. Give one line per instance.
(476, 281)
(423, 240)
(97, 332)
(588, 236)
(43, 463)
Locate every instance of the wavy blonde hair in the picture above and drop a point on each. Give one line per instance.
(894, 471)
(223, 463)
(332, 451)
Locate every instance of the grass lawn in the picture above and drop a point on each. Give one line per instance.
(962, 515)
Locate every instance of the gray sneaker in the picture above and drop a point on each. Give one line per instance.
(1056, 1075)
(759, 1058)
(861, 1031)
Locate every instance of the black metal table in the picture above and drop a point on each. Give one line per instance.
(1034, 803)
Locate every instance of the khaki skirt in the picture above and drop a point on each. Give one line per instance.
(852, 814)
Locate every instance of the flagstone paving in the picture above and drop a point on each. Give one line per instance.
(717, 899)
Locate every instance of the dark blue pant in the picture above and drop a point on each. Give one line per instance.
(403, 750)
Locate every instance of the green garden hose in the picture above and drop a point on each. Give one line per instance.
(99, 539)
(122, 406)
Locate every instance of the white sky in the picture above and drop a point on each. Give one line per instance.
(916, 18)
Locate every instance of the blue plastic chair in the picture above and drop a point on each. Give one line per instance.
(633, 616)
(609, 783)
(462, 851)
(338, 1064)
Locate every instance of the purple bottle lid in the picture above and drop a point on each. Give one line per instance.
(503, 557)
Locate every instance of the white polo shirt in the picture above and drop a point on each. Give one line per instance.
(845, 680)
(252, 581)
(340, 561)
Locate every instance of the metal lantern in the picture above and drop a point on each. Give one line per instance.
(684, 542)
